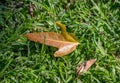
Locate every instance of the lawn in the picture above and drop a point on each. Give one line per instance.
(96, 23)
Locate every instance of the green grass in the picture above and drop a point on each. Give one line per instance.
(95, 23)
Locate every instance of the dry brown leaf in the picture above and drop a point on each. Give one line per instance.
(85, 66)
(53, 39)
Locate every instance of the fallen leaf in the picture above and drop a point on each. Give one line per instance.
(53, 39)
(68, 37)
(85, 66)
(64, 41)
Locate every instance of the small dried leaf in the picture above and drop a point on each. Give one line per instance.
(53, 39)
(31, 9)
(85, 66)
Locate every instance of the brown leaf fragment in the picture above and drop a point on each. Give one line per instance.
(31, 9)
(85, 66)
(53, 39)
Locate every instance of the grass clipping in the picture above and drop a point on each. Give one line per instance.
(65, 42)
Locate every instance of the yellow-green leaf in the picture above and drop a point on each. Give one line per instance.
(67, 36)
